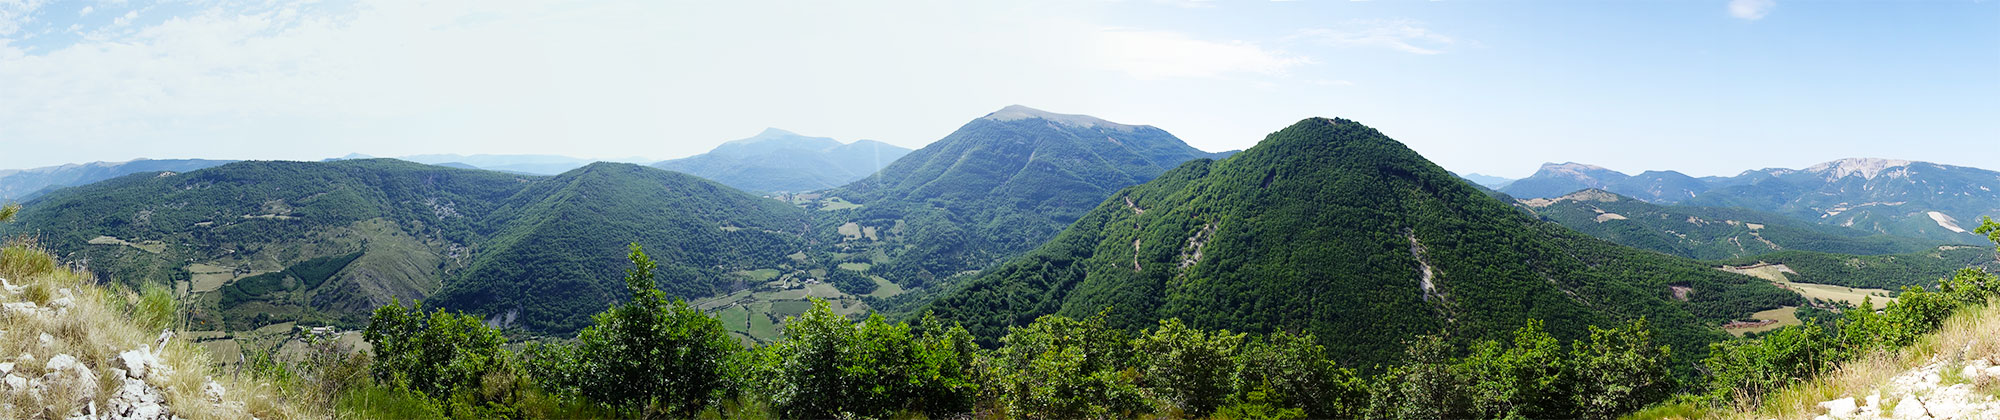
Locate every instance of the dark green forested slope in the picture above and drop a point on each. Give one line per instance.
(1708, 233)
(554, 257)
(1326, 227)
(999, 186)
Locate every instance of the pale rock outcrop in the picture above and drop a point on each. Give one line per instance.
(1927, 392)
(214, 392)
(1843, 407)
(64, 373)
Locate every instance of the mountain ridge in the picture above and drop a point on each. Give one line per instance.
(1330, 228)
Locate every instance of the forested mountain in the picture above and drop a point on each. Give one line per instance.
(24, 184)
(394, 227)
(1331, 228)
(783, 161)
(553, 258)
(1708, 233)
(1558, 179)
(1000, 185)
(1897, 197)
(260, 242)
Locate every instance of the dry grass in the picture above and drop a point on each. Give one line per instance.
(1973, 332)
(100, 323)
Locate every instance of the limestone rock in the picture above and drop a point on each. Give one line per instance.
(1909, 408)
(214, 391)
(1843, 407)
(66, 372)
(138, 401)
(137, 362)
(23, 309)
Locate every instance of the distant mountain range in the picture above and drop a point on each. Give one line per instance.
(1558, 179)
(783, 161)
(1709, 233)
(24, 184)
(1896, 197)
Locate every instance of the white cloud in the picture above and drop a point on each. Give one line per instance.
(14, 13)
(1401, 35)
(86, 11)
(1155, 55)
(126, 19)
(1751, 9)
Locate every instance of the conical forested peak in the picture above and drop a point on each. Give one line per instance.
(1316, 151)
(1319, 133)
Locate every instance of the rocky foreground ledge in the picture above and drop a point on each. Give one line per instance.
(1957, 384)
(64, 366)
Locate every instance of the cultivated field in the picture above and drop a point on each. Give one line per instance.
(1776, 273)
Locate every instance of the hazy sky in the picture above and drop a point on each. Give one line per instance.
(1496, 87)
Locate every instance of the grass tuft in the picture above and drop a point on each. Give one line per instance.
(102, 322)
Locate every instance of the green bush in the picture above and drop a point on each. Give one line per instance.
(437, 355)
(648, 353)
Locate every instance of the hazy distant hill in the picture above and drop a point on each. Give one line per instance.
(1558, 179)
(1708, 232)
(1488, 181)
(998, 186)
(527, 164)
(1329, 227)
(782, 161)
(1896, 197)
(23, 184)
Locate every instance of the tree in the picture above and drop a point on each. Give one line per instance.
(813, 383)
(651, 353)
(1191, 368)
(950, 371)
(7, 212)
(1427, 386)
(1057, 367)
(1619, 370)
(1986, 227)
(1525, 380)
(436, 355)
(1294, 371)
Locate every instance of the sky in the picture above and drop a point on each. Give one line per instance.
(1706, 87)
